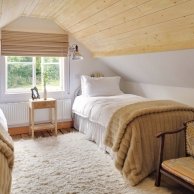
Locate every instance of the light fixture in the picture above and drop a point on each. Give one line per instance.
(73, 54)
(73, 51)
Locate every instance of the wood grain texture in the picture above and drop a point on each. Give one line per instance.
(42, 134)
(114, 27)
(25, 129)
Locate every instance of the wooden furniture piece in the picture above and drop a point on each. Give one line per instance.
(181, 169)
(49, 103)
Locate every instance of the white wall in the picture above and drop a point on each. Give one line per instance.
(162, 75)
(27, 24)
(181, 94)
(173, 68)
(77, 68)
(85, 66)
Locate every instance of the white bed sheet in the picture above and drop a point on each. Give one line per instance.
(4, 128)
(3, 122)
(92, 114)
(93, 131)
(4, 134)
(100, 109)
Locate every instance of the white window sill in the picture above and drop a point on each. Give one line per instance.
(25, 96)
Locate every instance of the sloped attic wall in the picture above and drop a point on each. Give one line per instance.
(163, 75)
(86, 66)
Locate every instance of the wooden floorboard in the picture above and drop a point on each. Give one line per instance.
(45, 133)
(61, 131)
(66, 130)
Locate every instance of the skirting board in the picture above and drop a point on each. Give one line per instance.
(25, 129)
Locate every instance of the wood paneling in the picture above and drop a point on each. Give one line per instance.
(114, 27)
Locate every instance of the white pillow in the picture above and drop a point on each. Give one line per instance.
(101, 86)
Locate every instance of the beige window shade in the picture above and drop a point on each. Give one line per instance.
(15, 43)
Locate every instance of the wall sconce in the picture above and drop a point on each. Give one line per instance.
(73, 51)
(73, 54)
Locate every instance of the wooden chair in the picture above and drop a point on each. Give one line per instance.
(181, 169)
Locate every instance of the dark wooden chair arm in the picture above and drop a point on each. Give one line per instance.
(162, 136)
(170, 132)
(159, 169)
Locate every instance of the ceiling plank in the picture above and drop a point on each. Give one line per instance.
(91, 10)
(11, 10)
(1, 5)
(69, 14)
(39, 9)
(154, 40)
(146, 49)
(52, 8)
(171, 14)
(114, 26)
(142, 36)
(30, 7)
(115, 9)
(154, 6)
(118, 24)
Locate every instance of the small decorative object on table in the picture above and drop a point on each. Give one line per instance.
(45, 80)
(35, 94)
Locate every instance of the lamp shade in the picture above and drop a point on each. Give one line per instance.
(77, 56)
(75, 53)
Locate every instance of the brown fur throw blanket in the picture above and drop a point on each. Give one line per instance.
(131, 134)
(6, 161)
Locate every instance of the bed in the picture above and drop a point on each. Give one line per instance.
(6, 156)
(125, 125)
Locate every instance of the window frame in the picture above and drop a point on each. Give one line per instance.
(23, 91)
(24, 97)
(6, 76)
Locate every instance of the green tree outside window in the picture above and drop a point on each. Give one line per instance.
(20, 72)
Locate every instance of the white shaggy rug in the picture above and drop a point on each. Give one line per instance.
(70, 164)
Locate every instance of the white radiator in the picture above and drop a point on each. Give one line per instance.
(17, 114)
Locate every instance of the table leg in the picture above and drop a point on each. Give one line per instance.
(55, 118)
(32, 120)
(29, 120)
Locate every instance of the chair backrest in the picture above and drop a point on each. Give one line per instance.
(190, 138)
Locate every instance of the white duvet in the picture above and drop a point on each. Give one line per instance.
(3, 121)
(4, 129)
(100, 109)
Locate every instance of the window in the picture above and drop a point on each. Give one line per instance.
(22, 73)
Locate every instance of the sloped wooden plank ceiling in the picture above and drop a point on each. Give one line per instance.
(114, 27)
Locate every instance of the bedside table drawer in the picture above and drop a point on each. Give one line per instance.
(42, 104)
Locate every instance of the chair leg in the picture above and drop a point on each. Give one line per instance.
(158, 178)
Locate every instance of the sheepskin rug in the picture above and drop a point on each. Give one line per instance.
(70, 164)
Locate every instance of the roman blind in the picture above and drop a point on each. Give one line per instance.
(16, 43)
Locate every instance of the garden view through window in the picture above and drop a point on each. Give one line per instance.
(23, 73)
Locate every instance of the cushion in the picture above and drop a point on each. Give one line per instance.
(101, 86)
(181, 167)
(190, 138)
